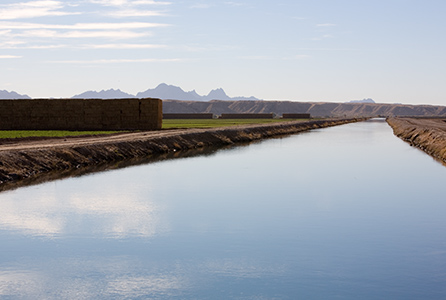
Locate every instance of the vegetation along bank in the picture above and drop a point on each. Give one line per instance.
(24, 159)
(426, 134)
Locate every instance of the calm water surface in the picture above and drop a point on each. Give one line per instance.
(349, 212)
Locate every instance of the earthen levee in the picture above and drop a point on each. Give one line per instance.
(426, 134)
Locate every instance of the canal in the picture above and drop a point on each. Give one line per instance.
(348, 212)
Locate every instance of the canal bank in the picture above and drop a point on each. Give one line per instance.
(427, 134)
(24, 159)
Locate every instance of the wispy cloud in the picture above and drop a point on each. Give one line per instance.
(113, 34)
(124, 26)
(43, 47)
(255, 57)
(128, 2)
(326, 25)
(32, 9)
(149, 2)
(9, 56)
(124, 46)
(201, 5)
(80, 26)
(323, 37)
(127, 8)
(231, 3)
(83, 46)
(11, 44)
(117, 61)
(133, 13)
(327, 49)
(264, 57)
(300, 57)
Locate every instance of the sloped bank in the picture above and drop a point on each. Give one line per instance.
(29, 160)
(427, 134)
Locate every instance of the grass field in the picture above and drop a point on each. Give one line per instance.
(167, 124)
(12, 134)
(211, 123)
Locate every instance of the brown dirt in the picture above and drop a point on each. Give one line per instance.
(32, 158)
(426, 134)
(321, 109)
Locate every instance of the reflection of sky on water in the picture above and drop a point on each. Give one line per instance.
(111, 210)
(129, 278)
(21, 283)
(101, 278)
(338, 211)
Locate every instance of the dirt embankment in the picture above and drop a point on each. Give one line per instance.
(426, 134)
(24, 159)
(316, 109)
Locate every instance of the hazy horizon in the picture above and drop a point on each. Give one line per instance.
(315, 51)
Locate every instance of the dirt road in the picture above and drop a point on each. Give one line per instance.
(45, 143)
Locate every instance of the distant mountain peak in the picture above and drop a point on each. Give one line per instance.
(104, 94)
(365, 100)
(12, 95)
(218, 94)
(171, 92)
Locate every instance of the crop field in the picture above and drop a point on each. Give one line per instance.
(167, 124)
(211, 123)
(12, 134)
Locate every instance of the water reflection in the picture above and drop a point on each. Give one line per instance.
(347, 212)
(101, 279)
(20, 283)
(124, 277)
(111, 211)
(63, 174)
(114, 209)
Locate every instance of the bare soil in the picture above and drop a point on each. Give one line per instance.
(315, 109)
(426, 134)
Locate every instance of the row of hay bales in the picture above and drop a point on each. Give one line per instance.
(81, 114)
(235, 116)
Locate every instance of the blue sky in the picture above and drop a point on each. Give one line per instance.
(321, 50)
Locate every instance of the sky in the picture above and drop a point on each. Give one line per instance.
(392, 51)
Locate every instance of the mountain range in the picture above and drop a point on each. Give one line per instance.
(191, 102)
(162, 91)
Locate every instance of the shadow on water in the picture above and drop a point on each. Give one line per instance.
(104, 167)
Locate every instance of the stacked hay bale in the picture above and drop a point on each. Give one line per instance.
(81, 114)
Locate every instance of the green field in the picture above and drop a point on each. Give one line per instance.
(12, 134)
(211, 123)
(167, 124)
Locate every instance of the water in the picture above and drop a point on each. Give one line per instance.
(349, 212)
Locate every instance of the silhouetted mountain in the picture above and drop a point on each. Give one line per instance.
(108, 94)
(367, 100)
(12, 95)
(165, 91)
(218, 94)
(162, 91)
